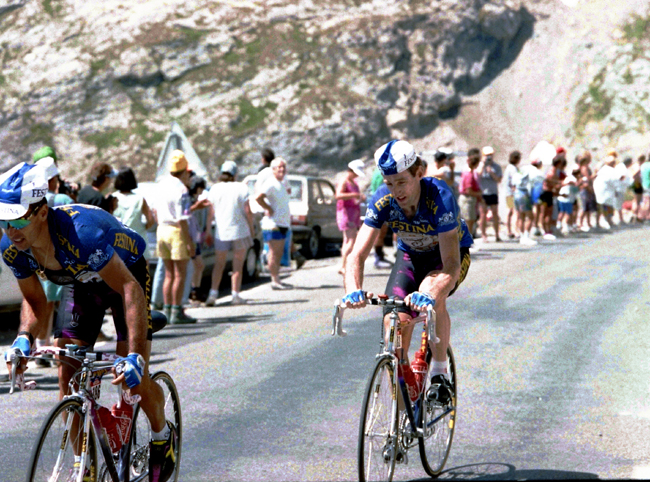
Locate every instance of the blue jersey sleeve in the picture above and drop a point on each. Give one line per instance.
(446, 211)
(378, 208)
(21, 265)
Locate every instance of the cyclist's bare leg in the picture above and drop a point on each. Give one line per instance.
(407, 332)
(66, 373)
(153, 399)
(443, 329)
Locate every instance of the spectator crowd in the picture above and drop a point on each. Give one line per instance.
(544, 199)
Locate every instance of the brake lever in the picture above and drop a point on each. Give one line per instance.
(337, 320)
(431, 324)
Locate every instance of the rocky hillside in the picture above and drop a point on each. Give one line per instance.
(321, 82)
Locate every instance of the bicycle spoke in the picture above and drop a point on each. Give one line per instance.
(376, 451)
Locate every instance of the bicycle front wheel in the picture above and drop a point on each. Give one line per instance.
(61, 437)
(439, 423)
(377, 437)
(141, 433)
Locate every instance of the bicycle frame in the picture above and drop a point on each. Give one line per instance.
(88, 380)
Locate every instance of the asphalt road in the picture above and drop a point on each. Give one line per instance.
(551, 344)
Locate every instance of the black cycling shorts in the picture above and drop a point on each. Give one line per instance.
(83, 305)
(410, 270)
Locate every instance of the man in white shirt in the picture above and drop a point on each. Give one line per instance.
(273, 197)
(175, 245)
(234, 230)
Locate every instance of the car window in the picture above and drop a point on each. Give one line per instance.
(296, 190)
(328, 192)
(315, 191)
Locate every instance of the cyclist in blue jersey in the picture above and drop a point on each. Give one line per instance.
(100, 264)
(432, 256)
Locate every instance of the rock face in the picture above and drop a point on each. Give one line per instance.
(320, 82)
(613, 105)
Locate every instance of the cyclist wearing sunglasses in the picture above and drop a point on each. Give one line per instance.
(100, 264)
(432, 256)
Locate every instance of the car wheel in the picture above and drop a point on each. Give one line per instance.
(251, 265)
(312, 247)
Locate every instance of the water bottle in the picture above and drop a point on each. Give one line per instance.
(406, 373)
(123, 414)
(420, 367)
(109, 426)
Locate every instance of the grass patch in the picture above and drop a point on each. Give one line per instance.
(637, 29)
(594, 105)
(40, 133)
(250, 116)
(104, 140)
(3, 80)
(52, 7)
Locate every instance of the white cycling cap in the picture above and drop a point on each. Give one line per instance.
(49, 167)
(21, 186)
(395, 157)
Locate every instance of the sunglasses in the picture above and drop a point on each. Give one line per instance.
(19, 223)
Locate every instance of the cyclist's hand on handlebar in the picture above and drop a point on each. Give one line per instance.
(129, 370)
(419, 301)
(20, 347)
(356, 299)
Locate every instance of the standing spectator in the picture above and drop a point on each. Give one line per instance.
(644, 174)
(267, 157)
(550, 188)
(489, 176)
(348, 212)
(273, 197)
(512, 171)
(587, 196)
(566, 199)
(536, 187)
(624, 182)
(443, 167)
(233, 232)
(523, 201)
(64, 187)
(200, 227)
(637, 188)
(175, 245)
(101, 176)
(605, 186)
(131, 207)
(381, 262)
(470, 191)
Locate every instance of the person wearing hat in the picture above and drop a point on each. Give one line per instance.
(70, 189)
(101, 265)
(101, 178)
(489, 176)
(174, 242)
(348, 213)
(432, 256)
(234, 231)
(443, 167)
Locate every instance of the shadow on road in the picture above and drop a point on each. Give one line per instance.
(229, 320)
(46, 383)
(501, 471)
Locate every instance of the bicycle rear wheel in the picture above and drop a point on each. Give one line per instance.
(52, 457)
(439, 425)
(377, 430)
(141, 433)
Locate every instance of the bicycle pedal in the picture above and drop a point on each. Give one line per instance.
(401, 457)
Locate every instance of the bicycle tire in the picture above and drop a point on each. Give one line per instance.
(54, 441)
(140, 433)
(376, 451)
(437, 440)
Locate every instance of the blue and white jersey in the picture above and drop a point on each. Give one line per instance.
(437, 213)
(85, 238)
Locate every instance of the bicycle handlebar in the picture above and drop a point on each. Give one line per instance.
(70, 351)
(337, 320)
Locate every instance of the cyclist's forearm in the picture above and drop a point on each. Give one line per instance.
(353, 274)
(135, 310)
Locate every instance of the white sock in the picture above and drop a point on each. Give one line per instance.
(234, 293)
(162, 435)
(214, 293)
(440, 368)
